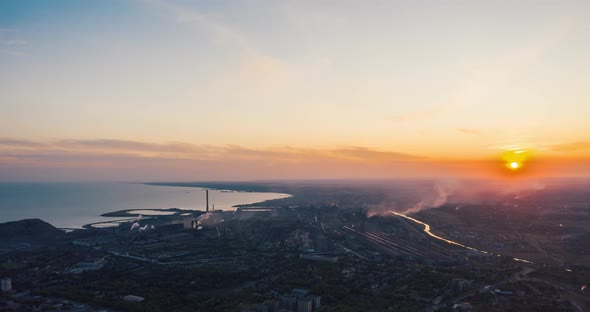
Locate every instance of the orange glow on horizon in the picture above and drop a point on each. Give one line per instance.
(119, 159)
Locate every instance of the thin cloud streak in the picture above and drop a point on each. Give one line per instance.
(423, 115)
(136, 160)
(253, 73)
(470, 131)
(178, 160)
(365, 153)
(579, 146)
(20, 143)
(9, 45)
(13, 42)
(23, 148)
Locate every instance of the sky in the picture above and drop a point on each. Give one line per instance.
(245, 90)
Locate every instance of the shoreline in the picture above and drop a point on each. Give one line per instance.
(238, 187)
(130, 212)
(126, 215)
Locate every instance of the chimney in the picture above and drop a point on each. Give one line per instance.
(363, 220)
(207, 199)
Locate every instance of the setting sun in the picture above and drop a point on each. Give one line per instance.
(514, 159)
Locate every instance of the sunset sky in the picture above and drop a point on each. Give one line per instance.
(240, 90)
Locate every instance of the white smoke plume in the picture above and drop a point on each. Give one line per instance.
(204, 217)
(458, 192)
(209, 219)
(439, 198)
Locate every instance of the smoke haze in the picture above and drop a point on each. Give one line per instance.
(442, 192)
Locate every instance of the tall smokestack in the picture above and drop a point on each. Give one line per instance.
(207, 199)
(363, 220)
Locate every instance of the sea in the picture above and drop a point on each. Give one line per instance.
(72, 205)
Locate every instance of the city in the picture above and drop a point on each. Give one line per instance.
(315, 257)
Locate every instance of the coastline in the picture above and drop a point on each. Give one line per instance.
(239, 187)
(78, 205)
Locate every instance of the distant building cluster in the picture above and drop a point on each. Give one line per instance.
(299, 300)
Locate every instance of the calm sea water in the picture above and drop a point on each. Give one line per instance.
(71, 205)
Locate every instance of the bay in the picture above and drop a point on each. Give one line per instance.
(72, 205)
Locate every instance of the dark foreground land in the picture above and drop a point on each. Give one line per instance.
(333, 246)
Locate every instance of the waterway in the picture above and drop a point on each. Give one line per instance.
(448, 241)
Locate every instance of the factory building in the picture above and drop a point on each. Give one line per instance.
(300, 301)
(316, 303)
(6, 284)
(304, 305)
(268, 306)
(288, 303)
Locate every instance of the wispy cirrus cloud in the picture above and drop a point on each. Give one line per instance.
(368, 154)
(182, 150)
(423, 115)
(201, 22)
(414, 116)
(20, 143)
(578, 146)
(10, 43)
(13, 42)
(136, 160)
(470, 131)
(252, 70)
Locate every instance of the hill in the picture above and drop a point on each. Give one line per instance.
(29, 230)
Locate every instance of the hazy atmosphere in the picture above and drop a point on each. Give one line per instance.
(294, 155)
